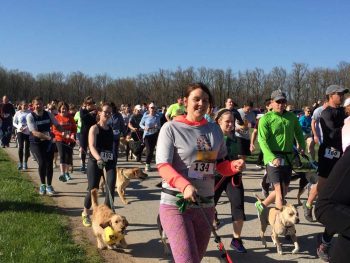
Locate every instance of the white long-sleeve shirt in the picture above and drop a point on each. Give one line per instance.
(20, 121)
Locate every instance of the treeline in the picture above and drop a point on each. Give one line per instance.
(302, 85)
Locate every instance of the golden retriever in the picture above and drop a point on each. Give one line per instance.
(282, 223)
(123, 179)
(103, 217)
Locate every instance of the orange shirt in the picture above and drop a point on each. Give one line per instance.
(69, 127)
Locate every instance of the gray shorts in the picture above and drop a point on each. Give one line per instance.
(281, 174)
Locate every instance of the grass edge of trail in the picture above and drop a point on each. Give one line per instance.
(33, 228)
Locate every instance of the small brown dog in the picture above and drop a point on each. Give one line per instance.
(103, 217)
(123, 179)
(282, 223)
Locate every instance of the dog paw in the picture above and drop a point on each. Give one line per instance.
(295, 250)
(102, 247)
(279, 250)
(112, 247)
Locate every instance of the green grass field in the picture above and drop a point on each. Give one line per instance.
(31, 228)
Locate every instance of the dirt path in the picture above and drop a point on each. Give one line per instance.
(142, 210)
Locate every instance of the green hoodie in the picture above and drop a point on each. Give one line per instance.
(276, 133)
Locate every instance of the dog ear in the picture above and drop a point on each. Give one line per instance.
(126, 223)
(105, 224)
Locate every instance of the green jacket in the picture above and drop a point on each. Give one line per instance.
(276, 133)
(78, 121)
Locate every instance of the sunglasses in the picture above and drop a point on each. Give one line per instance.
(152, 107)
(281, 101)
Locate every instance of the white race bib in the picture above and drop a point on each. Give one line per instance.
(200, 170)
(331, 153)
(106, 156)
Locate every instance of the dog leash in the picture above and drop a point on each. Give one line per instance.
(182, 204)
(217, 238)
(304, 156)
(111, 202)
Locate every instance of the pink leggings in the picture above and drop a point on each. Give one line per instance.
(188, 233)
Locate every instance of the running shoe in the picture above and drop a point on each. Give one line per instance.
(42, 189)
(237, 245)
(323, 249)
(67, 176)
(307, 212)
(25, 166)
(49, 190)
(82, 169)
(86, 220)
(19, 166)
(62, 178)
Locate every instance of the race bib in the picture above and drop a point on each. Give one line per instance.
(331, 153)
(200, 170)
(106, 156)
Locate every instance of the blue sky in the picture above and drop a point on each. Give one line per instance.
(126, 38)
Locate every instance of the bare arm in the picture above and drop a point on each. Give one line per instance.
(253, 139)
(92, 142)
(313, 128)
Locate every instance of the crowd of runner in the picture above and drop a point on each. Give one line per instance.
(200, 151)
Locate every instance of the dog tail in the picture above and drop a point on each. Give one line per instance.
(94, 198)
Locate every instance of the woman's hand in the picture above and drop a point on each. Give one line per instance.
(239, 164)
(190, 193)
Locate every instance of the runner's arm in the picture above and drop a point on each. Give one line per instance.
(92, 142)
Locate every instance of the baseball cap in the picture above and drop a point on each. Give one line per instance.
(278, 95)
(138, 107)
(335, 88)
(347, 102)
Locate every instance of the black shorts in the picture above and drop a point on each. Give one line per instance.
(243, 146)
(281, 174)
(325, 165)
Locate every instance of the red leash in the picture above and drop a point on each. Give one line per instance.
(217, 238)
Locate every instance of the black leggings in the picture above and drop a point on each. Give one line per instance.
(23, 144)
(150, 143)
(94, 175)
(66, 153)
(235, 194)
(43, 154)
(84, 146)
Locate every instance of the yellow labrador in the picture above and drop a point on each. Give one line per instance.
(103, 217)
(123, 179)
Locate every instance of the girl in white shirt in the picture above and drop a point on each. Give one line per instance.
(20, 123)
